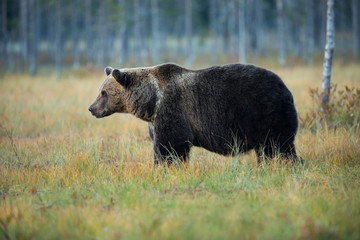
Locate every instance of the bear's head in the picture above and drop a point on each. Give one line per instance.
(124, 91)
(112, 97)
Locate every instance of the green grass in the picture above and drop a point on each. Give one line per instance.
(67, 175)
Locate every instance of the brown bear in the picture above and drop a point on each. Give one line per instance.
(225, 109)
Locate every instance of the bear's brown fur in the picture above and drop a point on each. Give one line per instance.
(225, 109)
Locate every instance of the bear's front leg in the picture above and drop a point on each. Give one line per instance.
(168, 153)
(151, 131)
(172, 141)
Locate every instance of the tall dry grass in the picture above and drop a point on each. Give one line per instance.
(65, 174)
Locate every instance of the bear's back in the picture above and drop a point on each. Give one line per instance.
(237, 86)
(229, 100)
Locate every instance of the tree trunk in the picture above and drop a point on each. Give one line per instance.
(221, 24)
(178, 31)
(281, 31)
(125, 46)
(155, 51)
(319, 28)
(255, 15)
(48, 24)
(213, 31)
(260, 28)
(75, 34)
(232, 27)
(137, 32)
(188, 33)
(242, 32)
(3, 36)
(102, 34)
(310, 32)
(24, 32)
(58, 40)
(33, 37)
(123, 34)
(355, 26)
(88, 31)
(329, 51)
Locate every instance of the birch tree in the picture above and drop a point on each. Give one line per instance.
(355, 26)
(281, 31)
(88, 30)
(155, 52)
(231, 26)
(221, 24)
(75, 34)
(33, 37)
(329, 52)
(188, 32)
(256, 24)
(242, 32)
(24, 32)
(213, 31)
(57, 40)
(309, 29)
(3, 36)
(101, 32)
(122, 33)
(137, 31)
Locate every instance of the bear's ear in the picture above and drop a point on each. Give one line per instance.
(108, 70)
(122, 77)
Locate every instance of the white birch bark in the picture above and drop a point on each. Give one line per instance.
(329, 52)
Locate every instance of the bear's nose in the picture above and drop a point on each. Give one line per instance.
(90, 109)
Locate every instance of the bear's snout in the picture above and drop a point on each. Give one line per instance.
(90, 109)
(96, 113)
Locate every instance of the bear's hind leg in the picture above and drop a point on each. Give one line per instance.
(264, 153)
(289, 153)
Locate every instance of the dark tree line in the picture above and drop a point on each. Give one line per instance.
(51, 34)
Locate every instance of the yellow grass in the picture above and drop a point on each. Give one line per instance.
(65, 174)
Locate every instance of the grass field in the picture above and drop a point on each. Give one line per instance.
(67, 175)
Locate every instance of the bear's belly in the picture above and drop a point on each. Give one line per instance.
(224, 144)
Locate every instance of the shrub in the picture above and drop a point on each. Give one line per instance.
(343, 109)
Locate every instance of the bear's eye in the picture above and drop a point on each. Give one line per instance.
(103, 93)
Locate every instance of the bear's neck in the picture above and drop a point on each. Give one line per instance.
(145, 102)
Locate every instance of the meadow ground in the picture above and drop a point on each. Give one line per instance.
(67, 175)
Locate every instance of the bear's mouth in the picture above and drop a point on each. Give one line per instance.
(95, 114)
(102, 115)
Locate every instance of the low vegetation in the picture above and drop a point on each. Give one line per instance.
(343, 110)
(67, 175)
